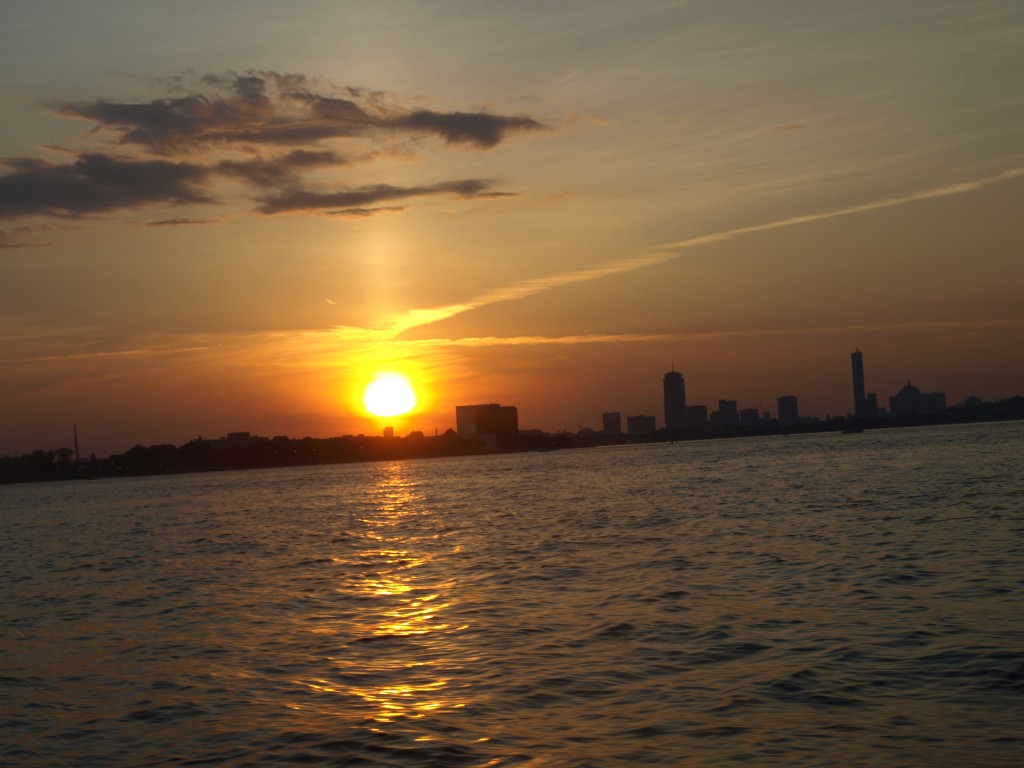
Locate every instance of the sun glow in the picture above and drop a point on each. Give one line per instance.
(389, 394)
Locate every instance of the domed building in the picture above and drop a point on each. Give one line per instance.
(911, 401)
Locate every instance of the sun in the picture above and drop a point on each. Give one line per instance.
(389, 394)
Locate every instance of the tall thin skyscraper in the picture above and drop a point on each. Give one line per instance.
(858, 385)
(675, 401)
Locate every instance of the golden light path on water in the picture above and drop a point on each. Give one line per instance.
(404, 601)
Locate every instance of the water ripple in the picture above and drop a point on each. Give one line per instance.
(801, 601)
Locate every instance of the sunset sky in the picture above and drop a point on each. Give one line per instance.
(225, 216)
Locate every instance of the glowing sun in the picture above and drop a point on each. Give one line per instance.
(389, 394)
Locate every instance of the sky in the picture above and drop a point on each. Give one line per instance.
(230, 216)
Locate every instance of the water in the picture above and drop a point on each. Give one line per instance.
(846, 600)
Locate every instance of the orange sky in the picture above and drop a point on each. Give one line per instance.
(222, 218)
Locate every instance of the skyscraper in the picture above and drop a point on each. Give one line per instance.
(788, 412)
(675, 401)
(858, 385)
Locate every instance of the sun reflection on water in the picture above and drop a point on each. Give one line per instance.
(412, 702)
(405, 600)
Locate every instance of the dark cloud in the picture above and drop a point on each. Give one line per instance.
(96, 183)
(259, 108)
(365, 213)
(279, 171)
(262, 129)
(302, 200)
(180, 222)
(171, 124)
(480, 128)
(345, 115)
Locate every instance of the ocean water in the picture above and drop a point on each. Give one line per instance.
(819, 600)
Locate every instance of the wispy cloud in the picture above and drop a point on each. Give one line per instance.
(959, 326)
(669, 251)
(179, 222)
(302, 200)
(364, 213)
(351, 347)
(9, 240)
(103, 354)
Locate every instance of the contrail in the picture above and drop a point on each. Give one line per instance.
(668, 251)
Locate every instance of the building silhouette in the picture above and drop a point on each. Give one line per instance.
(697, 416)
(675, 401)
(749, 417)
(871, 408)
(727, 416)
(789, 415)
(611, 423)
(911, 401)
(236, 440)
(640, 425)
(857, 361)
(496, 425)
(865, 406)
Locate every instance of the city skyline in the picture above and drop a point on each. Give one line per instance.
(487, 420)
(229, 217)
(787, 410)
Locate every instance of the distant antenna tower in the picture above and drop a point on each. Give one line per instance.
(74, 429)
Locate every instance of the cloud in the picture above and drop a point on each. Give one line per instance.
(961, 326)
(96, 183)
(365, 213)
(480, 128)
(169, 124)
(278, 171)
(179, 222)
(6, 242)
(666, 252)
(359, 198)
(524, 341)
(267, 108)
(262, 129)
(22, 237)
